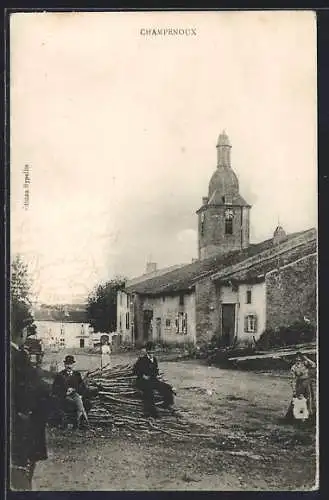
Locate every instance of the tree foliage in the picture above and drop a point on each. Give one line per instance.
(102, 305)
(20, 304)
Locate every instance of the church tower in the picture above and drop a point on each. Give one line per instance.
(223, 224)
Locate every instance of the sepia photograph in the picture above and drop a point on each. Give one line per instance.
(163, 251)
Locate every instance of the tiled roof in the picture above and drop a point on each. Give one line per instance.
(257, 272)
(185, 277)
(153, 274)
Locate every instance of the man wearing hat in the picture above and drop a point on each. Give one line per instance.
(147, 381)
(71, 392)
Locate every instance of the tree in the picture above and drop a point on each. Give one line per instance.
(102, 305)
(20, 304)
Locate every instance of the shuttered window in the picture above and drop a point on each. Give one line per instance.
(181, 324)
(250, 323)
(184, 324)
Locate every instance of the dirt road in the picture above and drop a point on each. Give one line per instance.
(250, 449)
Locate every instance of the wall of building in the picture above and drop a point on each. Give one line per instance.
(124, 316)
(245, 227)
(206, 310)
(171, 315)
(52, 331)
(291, 293)
(257, 308)
(212, 238)
(209, 298)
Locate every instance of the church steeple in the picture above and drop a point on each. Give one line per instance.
(224, 214)
(223, 150)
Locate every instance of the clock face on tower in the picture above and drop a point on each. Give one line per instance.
(229, 214)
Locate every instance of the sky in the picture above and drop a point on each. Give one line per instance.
(119, 133)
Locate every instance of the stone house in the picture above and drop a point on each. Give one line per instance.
(235, 290)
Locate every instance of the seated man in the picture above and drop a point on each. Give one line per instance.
(71, 392)
(146, 371)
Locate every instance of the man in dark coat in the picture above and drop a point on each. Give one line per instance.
(66, 386)
(29, 410)
(147, 372)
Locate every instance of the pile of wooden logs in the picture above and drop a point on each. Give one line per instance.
(119, 404)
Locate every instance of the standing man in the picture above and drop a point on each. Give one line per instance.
(29, 411)
(147, 372)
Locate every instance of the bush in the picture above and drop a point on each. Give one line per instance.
(299, 332)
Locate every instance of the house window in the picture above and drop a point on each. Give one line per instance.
(181, 300)
(181, 323)
(127, 301)
(127, 321)
(184, 324)
(120, 299)
(248, 297)
(250, 323)
(168, 322)
(163, 299)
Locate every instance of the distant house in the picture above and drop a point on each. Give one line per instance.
(235, 290)
(56, 334)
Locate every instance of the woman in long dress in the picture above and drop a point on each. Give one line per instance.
(105, 354)
(302, 386)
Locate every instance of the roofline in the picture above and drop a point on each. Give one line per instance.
(189, 289)
(261, 277)
(294, 240)
(267, 254)
(256, 279)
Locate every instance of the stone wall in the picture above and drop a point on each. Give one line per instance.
(212, 238)
(291, 293)
(207, 311)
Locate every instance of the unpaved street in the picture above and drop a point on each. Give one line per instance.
(249, 447)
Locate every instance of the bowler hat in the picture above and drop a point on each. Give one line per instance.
(69, 360)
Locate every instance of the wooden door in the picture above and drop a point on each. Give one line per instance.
(228, 324)
(147, 325)
(158, 328)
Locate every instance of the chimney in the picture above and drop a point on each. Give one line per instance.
(151, 267)
(205, 200)
(194, 260)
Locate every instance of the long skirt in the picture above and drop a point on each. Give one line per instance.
(105, 359)
(304, 388)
